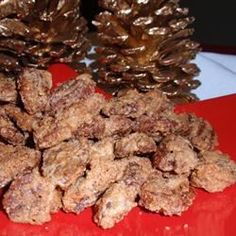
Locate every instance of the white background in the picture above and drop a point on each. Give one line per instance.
(218, 75)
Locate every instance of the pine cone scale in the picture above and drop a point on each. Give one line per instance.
(21, 8)
(13, 45)
(12, 27)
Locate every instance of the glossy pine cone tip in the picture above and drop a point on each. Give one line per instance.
(145, 44)
(38, 33)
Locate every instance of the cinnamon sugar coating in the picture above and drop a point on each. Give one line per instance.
(71, 149)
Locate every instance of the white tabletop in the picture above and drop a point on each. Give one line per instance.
(218, 75)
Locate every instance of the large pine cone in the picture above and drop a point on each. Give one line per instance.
(145, 45)
(37, 33)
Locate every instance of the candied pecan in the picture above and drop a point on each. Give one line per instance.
(169, 195)
(8, 91)
(34, 87)
(134, 144)
(52, 130)
(214, 172)
(71, 91)
(155, 126)
(93, 127)
(30, 199)
(102, 173)
(116, 202)
(15, 160)
(120, 198)
(134, 104)
(64, 163)
(8, 131)
(22, 119)
(199, 131)
(128, 105)
(175, 154)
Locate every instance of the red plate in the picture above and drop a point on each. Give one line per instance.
(210, 214)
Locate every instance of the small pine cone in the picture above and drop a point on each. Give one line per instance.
(145, 45)
(37, 33)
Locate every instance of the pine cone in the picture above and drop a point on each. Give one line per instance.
(38, 33)
(145, 45)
